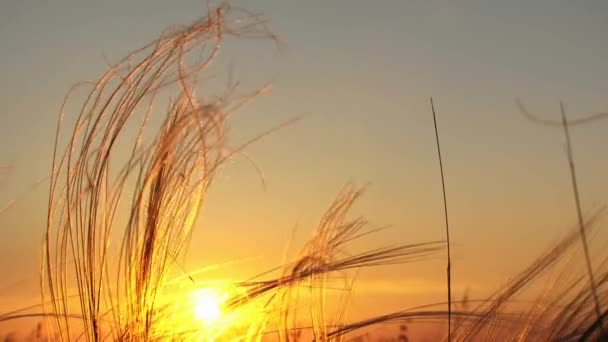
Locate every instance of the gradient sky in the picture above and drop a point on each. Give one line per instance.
(364, 71)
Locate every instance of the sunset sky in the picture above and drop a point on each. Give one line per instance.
(363, 71)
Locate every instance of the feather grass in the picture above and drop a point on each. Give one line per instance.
(161, 183)
(105, 276)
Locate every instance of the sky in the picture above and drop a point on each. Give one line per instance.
(363, 72)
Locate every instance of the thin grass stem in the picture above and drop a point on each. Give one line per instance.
(447, 223)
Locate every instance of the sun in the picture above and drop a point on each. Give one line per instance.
(207, 306)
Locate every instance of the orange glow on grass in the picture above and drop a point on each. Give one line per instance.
(194, 313)
(197, 312)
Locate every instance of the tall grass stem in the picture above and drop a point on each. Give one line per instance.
(447, 223)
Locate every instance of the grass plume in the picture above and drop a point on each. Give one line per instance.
(122, 206)
(161, 182)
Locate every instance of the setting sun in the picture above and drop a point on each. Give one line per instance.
(207, 306)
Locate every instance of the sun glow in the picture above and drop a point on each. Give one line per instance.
(207, 306)
(198, 313)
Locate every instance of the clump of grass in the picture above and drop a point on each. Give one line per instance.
(559, 314)
(169, 175)
(569, 309)
(145, 191)
(303, 282)
(566, 124)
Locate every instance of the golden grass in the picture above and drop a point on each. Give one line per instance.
(125, 192)
(119, 290)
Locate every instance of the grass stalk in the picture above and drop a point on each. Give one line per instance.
(579, 213)
(447, 223)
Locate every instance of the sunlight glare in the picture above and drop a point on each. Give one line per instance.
(207, 306)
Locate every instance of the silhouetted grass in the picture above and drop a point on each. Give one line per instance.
(120, 290)
(447, 224)
(125, 192)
